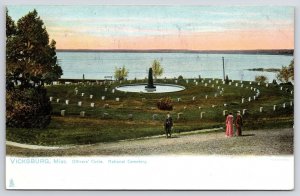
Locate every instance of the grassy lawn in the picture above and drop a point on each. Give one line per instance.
(102, 124)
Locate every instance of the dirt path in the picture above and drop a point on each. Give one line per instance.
(256, 142)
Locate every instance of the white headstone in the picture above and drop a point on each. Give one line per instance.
(213, 85)
(178, 99)
(103, 97)
(223, 81)
(117, 99)
(113, 90)
(187, 81)
(291, 92)
(243, 100)
(283, 105)
(184, 107)
(205, 84)
(229, 83)
(251, 88)
(218, 87)
(274, 107)
(67, 102)
(267, 85)
(291, 103)
(91, 96)
(236, 84)
(249, 99)
(281, 88)
(62, 112)
(225, 104)
(244, 111)
(176, 81)
(261, 109)
(106, 105)
(82, 94)
(76, 91)
(250, 82)
(57, 100)
(224, 112)
(202, 114)
(209, 81)
(105, 89)
(194, 98)
(216, 94)
(254, 97)
(199, 108)
(213, 106)
(217, 82)
(92, 105)
(79, 103)
(179, 115)
(242, 85)
(258, 84)
(82, 113)
(196, 83)
(241, 81)
(51, 98)
(206, 96)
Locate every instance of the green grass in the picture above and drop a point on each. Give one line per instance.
(95, 127)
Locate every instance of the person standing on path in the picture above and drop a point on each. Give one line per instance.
(168, 125)
(229, 125)
(238, 124)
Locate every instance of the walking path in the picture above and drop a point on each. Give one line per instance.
(254, 142)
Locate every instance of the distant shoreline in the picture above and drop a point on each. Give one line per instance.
(268, 52)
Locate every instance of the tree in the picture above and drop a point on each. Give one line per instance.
(30, 58)
(121, 73)
(30, 62)
(261, 79)
(286, 74)
(157, 69)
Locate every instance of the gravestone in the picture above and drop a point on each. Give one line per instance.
(196, 83)
(51, 98)
(194, 98)
(82, 94)
(82, 113)
(117, 99)
(57, 100)
(209, 81)
(283, 105)
(213, 106)
(261, 109)
(217, 82)
(225, 104)
(79, 103)
(291, 103)
(106, 105)
(92, 105)
(76, 91)
(105, 89)
(249, 99)
(267, 85)
(187, 81)
(103, 97)
(113, 91)
(242, 85)
(254, 97)
(206, 96)
(218, 87)
(250, 82)
(241, 81)
(281, 88)
(244, 111)
(251, 88)
(184, 107)
(291, 92)
(243, 100)
(176, 81)
(236, 84)
(213, 86)
(199, 108)
(258, 84)
(202, 114)
(223, 82)
(274, 107)
(178, 99)
(216, 94)
(205, 84)
(62, 112)
(91, 96)
(179, 115)
(67, 102)
(225, 112)
(130, 116)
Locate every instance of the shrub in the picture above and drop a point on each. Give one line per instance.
(180, 77)
(261, 79)
(27, 108)
(165, 104)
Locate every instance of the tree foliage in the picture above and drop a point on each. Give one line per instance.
(30, 58)
(30, 62)
(121, 73)
(157, 69)
(261, 79)
(286, 74)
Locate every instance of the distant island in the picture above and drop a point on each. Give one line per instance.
(269, 52)
(264, 69)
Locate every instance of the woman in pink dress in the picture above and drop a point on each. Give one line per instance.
(229, 125)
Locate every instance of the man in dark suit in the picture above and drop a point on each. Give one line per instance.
(168, 125)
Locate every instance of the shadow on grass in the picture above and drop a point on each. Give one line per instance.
(247, 135)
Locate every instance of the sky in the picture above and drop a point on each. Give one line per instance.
(166, 27)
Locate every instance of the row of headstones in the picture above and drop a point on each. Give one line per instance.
(67, 102)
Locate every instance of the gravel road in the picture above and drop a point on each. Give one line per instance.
(256, 142)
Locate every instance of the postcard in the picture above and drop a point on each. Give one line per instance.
(154, 97)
